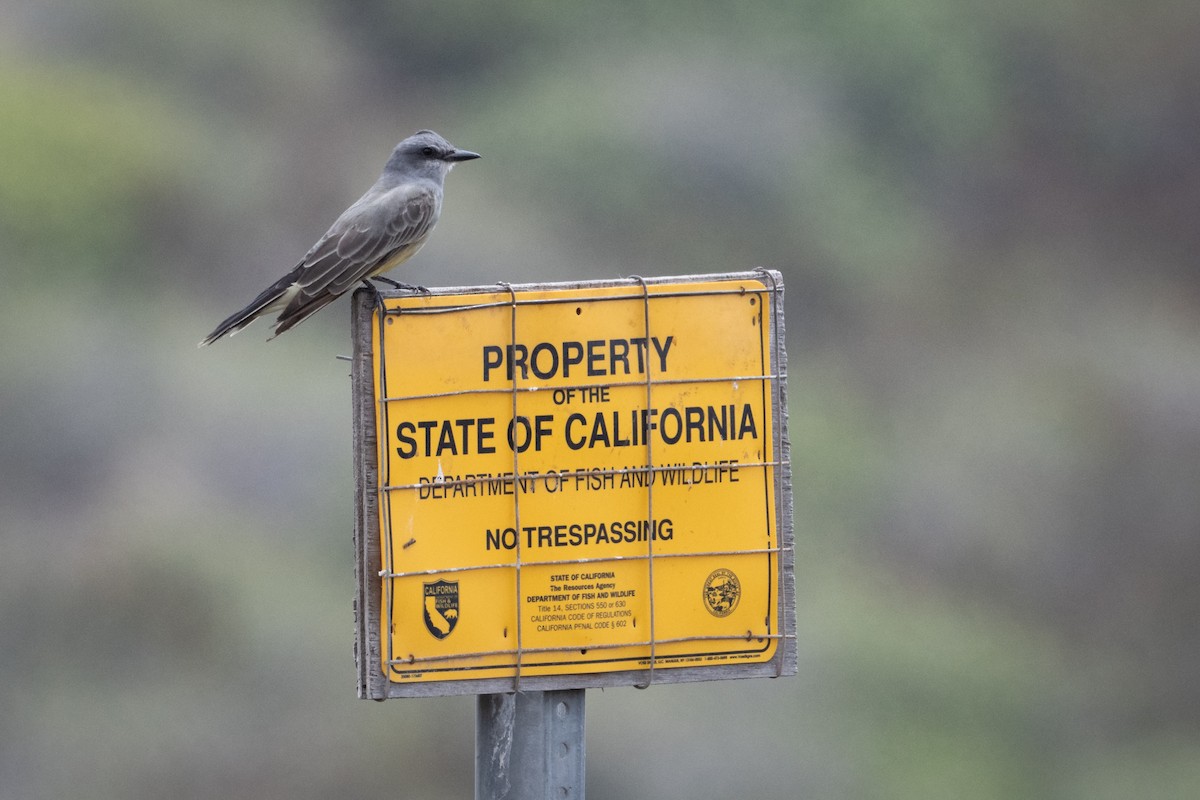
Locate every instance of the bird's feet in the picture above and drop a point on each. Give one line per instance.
(398, 285)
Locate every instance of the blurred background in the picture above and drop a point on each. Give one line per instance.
(986, 215)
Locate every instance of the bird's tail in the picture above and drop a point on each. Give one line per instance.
(273, 298)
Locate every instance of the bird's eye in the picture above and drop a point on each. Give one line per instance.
(428, 151)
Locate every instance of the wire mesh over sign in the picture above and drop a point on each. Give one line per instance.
(572, 485)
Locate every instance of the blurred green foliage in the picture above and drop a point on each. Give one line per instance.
(985, 217)
(85, 155)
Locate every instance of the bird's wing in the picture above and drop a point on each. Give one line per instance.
(370, 233)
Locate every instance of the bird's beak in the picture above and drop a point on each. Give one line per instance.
(461, 155)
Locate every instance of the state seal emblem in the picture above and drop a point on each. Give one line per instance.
(722, 591)
(441, 607)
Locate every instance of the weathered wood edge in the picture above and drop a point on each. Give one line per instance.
(366, 497)
(784, 510)
(373, 684)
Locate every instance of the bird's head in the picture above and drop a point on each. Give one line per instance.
(428, 154)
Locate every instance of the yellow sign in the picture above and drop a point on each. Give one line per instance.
(577, 481)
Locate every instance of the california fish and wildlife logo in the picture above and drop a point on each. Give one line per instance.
(441, 607)
(722, 591)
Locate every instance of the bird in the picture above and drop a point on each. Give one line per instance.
(381, 230)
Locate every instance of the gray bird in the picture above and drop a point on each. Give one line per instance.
(384, 228)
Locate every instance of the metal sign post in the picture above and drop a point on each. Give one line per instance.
(530, 746)
(563, 486)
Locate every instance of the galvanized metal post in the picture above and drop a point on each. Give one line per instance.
(529, 746)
